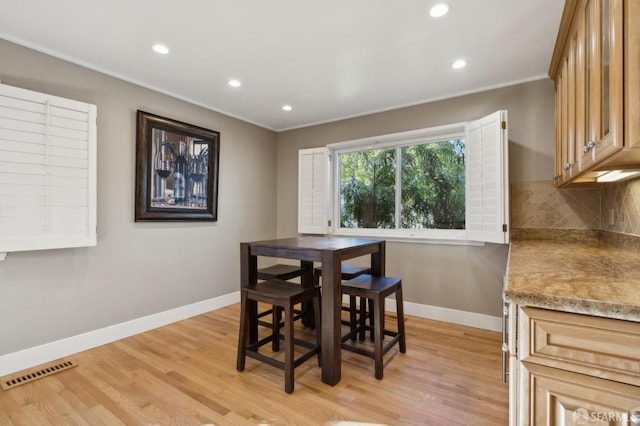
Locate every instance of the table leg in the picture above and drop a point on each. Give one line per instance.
(307, 280)
(378, 260)
(249, 275)
(331, 327)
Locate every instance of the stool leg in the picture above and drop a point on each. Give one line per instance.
(400, 315)
(362, 319)
(288, 348)
(243, 333)
(352, 317)
(275, 328)
(378, 302)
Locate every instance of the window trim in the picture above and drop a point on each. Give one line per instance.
(486, 221)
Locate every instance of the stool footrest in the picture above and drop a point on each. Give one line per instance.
(357, 330)
(297, 314)
(252, 352)
(351, 347)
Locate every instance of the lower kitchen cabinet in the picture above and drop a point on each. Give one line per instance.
(572, 369)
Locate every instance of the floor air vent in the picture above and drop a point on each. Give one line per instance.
(21, 378)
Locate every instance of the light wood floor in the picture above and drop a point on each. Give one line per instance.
(184, 374)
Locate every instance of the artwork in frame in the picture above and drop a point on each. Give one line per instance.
(176, 170)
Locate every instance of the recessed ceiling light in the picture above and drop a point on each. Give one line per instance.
(235, 83)
(439, 10)
(460, 63)
(160, 48)
(287, 107)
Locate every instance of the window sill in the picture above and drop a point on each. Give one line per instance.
(413, 239)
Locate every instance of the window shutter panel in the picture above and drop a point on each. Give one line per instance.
(487, 179)
(47, 171)
(312, 191)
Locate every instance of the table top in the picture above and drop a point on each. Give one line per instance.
(312, 248)
(315, 243)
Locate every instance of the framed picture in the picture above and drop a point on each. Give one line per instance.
(176, 170)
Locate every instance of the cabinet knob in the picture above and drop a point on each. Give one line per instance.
(556, 177)
(588, 147)
(505, 348)
(567, 166)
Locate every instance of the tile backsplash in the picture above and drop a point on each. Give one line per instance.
(541, 206)
(621, 205)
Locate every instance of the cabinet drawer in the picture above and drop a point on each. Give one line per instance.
(564, 398)
(598, 347)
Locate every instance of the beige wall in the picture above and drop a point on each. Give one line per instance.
(136, 269)
(457, 277)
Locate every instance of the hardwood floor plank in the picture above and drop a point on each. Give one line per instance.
(185, 374)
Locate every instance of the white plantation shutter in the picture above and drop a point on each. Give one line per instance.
(312, 191)
(487, 184)
(47, 171)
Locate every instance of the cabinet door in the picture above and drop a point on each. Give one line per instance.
(566, 150)
(560, 121)
(569, 107)
(563, 398)
(603, 80)
(631, 74)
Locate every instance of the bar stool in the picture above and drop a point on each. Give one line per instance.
(284, 295)
(282, 272)
(347, 272)
(377, 289)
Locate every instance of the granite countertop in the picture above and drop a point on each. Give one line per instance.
(586, 277)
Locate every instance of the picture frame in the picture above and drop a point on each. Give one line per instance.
(176, 170)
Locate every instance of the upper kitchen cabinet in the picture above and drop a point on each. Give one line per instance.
(597, 90)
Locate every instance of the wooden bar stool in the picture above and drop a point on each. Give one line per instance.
(376, 289)
(347, 272)
(282, 272)
(284, 295)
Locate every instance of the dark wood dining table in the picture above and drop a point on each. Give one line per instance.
(330, 252)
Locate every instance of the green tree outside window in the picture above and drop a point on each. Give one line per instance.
(432, 187)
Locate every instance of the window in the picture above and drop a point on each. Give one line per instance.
(426, 178)
(444, 183)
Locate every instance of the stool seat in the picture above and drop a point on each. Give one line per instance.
(280, 271)
(284, 295)
(347, 272)
(376, 289)
(366, 285)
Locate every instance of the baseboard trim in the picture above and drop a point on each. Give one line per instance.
(31, 357)
(437, 313)
(454, 316)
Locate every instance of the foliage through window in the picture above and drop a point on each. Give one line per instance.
(419, 186)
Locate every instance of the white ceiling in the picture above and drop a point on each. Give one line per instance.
(328, 59)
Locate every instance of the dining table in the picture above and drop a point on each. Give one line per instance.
(330, 252)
